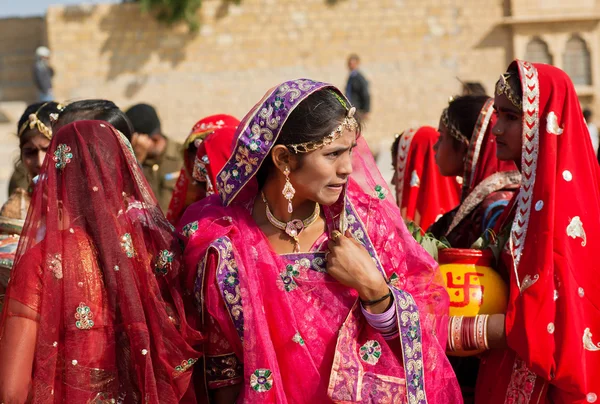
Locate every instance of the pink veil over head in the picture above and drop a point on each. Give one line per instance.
(266, 322)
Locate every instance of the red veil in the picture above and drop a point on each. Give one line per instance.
(553, 316)
(97, 275)
(205, 127)
(422, 193)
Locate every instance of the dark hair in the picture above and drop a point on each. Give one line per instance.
(464, 111)
(42, 111)
(587, 114)
(473, 88)
(395, 144)
(144, 119)
(314, 118)
(101, 110)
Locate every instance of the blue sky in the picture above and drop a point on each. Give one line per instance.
(27, 8)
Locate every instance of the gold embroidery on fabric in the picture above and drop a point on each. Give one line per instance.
(588, 344)
(528, 281)
(127, 245)
(575, 229)
(54, 263)
(84, 316)
(552, 125)
(185, 365)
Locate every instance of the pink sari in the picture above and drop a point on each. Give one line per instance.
(280, 324)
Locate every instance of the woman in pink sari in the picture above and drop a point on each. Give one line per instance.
(311, 287)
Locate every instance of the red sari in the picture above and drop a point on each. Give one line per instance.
(96, 283)
(422, 193)
(488, 186)
(553, 316)
(185, 193)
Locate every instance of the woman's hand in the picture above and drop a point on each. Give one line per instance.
(351, 265)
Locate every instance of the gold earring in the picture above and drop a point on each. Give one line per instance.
(288, 190)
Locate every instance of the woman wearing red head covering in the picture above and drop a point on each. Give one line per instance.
(187, 190)
(94, 311)
(467, 148)
(549, 241)
(422, 193)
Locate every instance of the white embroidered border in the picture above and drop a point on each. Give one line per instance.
(529, 156)
(478, 140)
(402, 158)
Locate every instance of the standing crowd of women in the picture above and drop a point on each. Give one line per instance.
(283, 270)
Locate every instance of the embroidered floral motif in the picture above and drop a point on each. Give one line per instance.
(575, 229)
(244, 160)
(528, 281)
(54, 263)
(380, 192)
(261, 380)
(278, 103)
(62, 156)
(552, 125)
(394, 279)
(588, 344)
(84, 316)
(164, 262)
(223, 368)
(127, 245)
(185, 365)
(189, 229)
(521, 383)
(287, 281)
(254, 145)
(415, 181)
(370, 352)
(298, 339)
(231, 279)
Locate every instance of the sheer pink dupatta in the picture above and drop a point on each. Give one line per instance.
(311, 343)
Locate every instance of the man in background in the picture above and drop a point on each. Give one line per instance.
(43, 74)
(159, 156)
(357, 89)
(592, 128)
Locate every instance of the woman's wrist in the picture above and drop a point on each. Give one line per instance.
(375, 292)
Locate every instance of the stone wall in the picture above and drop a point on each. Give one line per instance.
(412, 53)
(20, 38)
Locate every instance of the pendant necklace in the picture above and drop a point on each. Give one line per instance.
(294, 227)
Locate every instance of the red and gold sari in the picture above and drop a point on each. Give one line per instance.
(553, 226)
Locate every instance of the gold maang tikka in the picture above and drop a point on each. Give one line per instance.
(452, 129)
(349, 123)
(503, 87)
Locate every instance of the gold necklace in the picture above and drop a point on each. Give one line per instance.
(294, 227)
